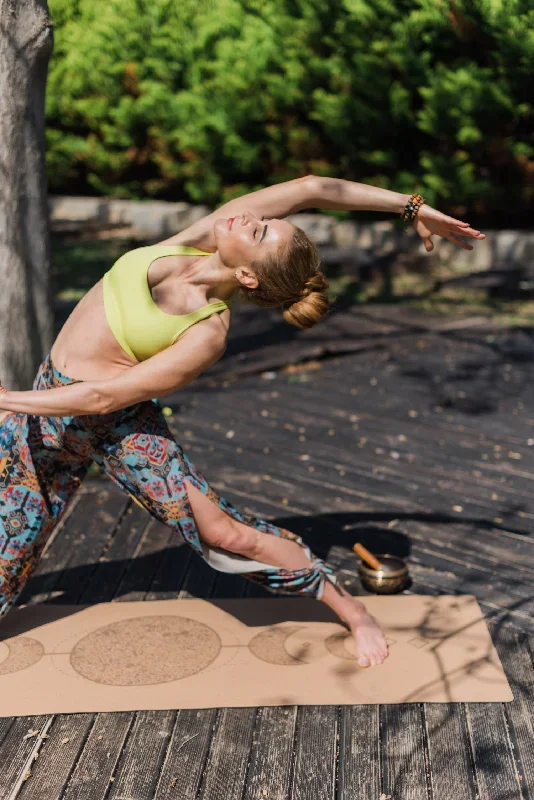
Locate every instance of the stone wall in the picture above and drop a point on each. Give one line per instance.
(153, 220)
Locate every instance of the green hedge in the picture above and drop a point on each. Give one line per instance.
(204, 99)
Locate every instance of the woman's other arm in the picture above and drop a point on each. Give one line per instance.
(160, 375)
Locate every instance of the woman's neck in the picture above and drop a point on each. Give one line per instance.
(209, 273)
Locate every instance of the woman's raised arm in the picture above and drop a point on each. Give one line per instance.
(313, 191)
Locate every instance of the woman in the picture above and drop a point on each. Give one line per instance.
(154, 322)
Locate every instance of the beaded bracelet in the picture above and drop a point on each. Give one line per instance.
(411, 208)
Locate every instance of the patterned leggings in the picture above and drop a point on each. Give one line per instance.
(43, 461)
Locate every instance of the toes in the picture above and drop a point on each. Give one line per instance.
(378, 657)
(363, 661)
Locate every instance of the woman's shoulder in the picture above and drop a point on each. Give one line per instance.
(213, 328)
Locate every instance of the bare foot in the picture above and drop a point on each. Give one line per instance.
(371, 647)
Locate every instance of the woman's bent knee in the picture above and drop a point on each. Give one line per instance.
(217, 529)
(226, 535)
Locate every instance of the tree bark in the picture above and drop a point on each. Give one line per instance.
(26, 316)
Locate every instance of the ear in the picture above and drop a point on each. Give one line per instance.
(245, 276)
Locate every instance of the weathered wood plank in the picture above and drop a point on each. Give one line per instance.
(16, 749)
(517, 663)
(172, 570)
(199, 580)
(98, 760)
(96, 528)
(271, 757)
(448, 744)
(5, 725)
(495, 768)
(139, 765)
(114, 562)
(359, 753)
(403, 755)
(226, 766)
(451, 546)
(65, 566)
(51, 772)
(316, 745)
(185, 760)
(145, 562)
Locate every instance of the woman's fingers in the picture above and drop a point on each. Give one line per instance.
(452, 237)
(459, 222)
(470, 232)
(464, 228)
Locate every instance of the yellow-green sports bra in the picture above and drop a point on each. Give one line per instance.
(140, 327)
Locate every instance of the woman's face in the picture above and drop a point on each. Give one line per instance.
(246, 238)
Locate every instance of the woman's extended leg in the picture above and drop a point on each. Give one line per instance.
(225, 533)
(141, 456)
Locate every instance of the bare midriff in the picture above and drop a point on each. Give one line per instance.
(85, 347)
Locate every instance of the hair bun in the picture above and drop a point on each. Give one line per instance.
(312, 305)
(315, 283)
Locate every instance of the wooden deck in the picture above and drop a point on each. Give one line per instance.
(420, 441)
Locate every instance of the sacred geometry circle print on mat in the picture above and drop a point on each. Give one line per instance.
(19, 653)
(146, 650)
(271, 646)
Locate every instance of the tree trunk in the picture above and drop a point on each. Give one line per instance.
(26, 317)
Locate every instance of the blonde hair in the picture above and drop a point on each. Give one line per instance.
(291, 278)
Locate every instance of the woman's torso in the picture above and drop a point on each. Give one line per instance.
(86, 347)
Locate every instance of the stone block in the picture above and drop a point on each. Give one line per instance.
(82, 209)
(319, 227)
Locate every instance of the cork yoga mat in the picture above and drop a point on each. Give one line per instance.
(174, 654)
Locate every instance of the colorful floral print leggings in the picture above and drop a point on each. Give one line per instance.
(43, 461)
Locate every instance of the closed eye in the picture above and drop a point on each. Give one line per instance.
(256, 230)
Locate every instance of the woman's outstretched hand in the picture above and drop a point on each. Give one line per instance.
(430, 222)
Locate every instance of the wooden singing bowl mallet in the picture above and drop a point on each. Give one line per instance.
(368, 557)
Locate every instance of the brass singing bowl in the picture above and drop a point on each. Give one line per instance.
(392, 578)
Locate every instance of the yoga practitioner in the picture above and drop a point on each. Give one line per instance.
(155, 321)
